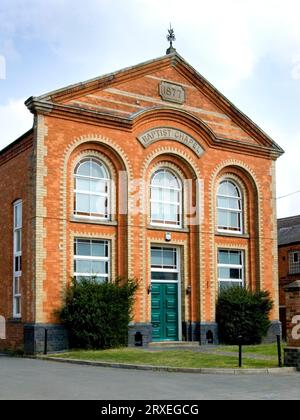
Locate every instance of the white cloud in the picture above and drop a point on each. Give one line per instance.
(2, 67)
(288, 180)
(228, 37)
(296, 67)
(15, 120)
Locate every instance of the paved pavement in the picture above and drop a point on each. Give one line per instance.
(36, 379)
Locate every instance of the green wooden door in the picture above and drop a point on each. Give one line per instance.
(164, 311)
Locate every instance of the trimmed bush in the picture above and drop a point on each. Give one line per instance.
(97, 314)
(245, 314)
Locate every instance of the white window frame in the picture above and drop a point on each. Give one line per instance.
(167, 270)
(229, 210)
(294, 267)
(234, 266)
(93, 258)
(107, 195)
(179, 204)
(17, 295)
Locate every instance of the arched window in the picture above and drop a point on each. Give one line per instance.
(166, 199)
(92, 190)
(229, 207)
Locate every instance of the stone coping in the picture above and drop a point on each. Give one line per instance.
(267, 371)
(293, 287)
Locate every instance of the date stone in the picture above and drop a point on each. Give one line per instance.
(171, 92)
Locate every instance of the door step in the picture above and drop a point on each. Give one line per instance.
(174, 344)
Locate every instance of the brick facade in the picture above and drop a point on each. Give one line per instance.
(16, 182)
(104, 117)
(288, 243)
(285, 277)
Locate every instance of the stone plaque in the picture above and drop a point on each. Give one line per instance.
(171, 92)
(169, 133)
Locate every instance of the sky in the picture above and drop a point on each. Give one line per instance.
(250, 50)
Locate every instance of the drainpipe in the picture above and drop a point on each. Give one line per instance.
(189, 294)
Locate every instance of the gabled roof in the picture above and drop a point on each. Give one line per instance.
(55, 101)
(289, 230)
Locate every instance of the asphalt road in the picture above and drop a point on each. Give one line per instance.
(36, 379)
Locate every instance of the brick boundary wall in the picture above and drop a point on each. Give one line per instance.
(292, 352)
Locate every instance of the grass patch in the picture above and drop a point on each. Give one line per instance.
(262, 349)
(169, 358)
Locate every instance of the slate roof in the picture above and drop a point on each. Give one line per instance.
(289, 230)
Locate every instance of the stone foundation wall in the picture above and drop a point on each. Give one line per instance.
(209, 333)
(292, 357)
(274, 330)
(139, 335)
(35, 338)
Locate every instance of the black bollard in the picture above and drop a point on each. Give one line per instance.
(240, 351)
(46, 341)
(279, 351)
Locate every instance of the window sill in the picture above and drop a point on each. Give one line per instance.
(233, 235)
(93, 222)
(17, 320)
(168, 229)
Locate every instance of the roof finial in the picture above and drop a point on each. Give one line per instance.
(171, 38)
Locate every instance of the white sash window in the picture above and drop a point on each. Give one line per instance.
(17, 261)
(166, 199)
(229, 208)
(92, 190)
(91, 259)
(294, 262)
(230, 268)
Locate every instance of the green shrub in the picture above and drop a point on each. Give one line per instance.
(245, 314)
(97, 314)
